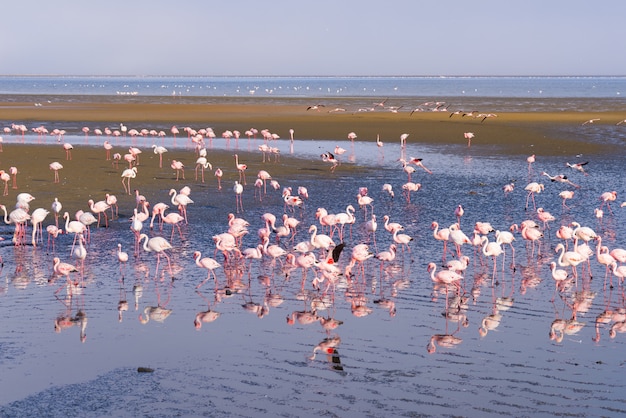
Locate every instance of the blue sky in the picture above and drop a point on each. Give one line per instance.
(349, 37)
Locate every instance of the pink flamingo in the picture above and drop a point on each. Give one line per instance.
(533, 188)
(444, 277)
(6, 178)
(559, 277)
(608, 197)
(493, 250)
(174, 219)
(108, 147)
(530, 160)
(122, 257)
(127, 174)
(566, 194)
(206, 263)
(68, 150)
(203, 164)
(181, 201)
(242, 170)
(13, 173)
(219, 173)
(53, 232)
(238, 189)
(158, 210)
(443, 235)
(73, 227)
(387, 256)
(179, 167)
(111, 200)
(158, 245)
(100, 207)
(159, 150)
(56, 166)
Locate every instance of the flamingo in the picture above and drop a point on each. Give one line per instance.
(506, 237)
(443, 235)
(159, 150)
(173, 219)
(559, 277)
(387, 256)
(111, 200)
(73, 227)
(6, 178)
(181, 201)
(264, 176)
(219, 173)
(68, 150)
(80, 253)
(458, 237)
(545, 217)
(127, 174)
(13, 173)
(158, 245)
(392, 226)
(108, 147)
(565, 195)
(179, 167)
(238, 189)
(409, 187)
(122, 257)
(53, 232)
(19, 217)
(56, 166)
(569, 258)
(604, 257)
(62, 268)
(242, 170)
(530, 160)
(203, 164)
(608, 197)
(532, 189)
(444, 277)
(402, 239)
(320, 240)
(330, 158)
(36, 219)
(206, 263)
(459, 212)
(100, 207)
(493, 250)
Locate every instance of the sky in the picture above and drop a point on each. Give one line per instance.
(321, 37)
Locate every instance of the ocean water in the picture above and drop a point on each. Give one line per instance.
(499, 93)
(515, 346)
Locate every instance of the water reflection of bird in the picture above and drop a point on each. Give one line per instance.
(442, 340)
(154, 313)
(205, 317)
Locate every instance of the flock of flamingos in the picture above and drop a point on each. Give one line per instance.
(326, 261)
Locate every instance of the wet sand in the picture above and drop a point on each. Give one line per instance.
(516, 131)
(513, 133)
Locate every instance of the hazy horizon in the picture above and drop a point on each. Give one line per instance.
(325, 38)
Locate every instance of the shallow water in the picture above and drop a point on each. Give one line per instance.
(251, 362)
